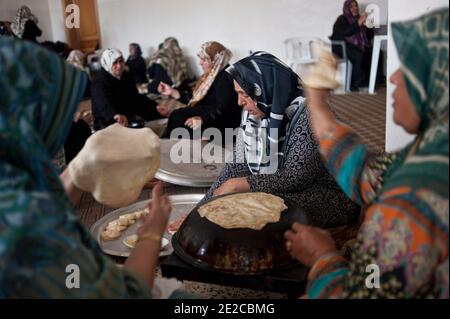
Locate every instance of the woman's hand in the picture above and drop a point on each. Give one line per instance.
(143, 259)
(156, 221)
(362, 19)
(121, 119)
(163, 110)
(194, 122)
(308, 244)
(167, 90)
(234, 185)
(152, 183)
(71, 190)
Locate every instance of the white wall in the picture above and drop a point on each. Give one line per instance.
(241, 25)
(56, 13)
(396, 137)
(40, 9)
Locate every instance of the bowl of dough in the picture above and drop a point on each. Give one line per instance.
(240, 233)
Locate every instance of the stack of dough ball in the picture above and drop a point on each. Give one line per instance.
(115, 228)
(116, 163)
(322, 75)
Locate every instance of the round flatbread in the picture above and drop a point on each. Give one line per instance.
(116, 163)
(247, 210)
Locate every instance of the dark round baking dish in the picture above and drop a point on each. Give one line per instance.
(206, 245)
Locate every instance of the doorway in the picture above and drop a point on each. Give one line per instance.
(87, 37)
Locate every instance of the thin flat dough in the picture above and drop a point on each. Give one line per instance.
(116, 163)
(247, 210)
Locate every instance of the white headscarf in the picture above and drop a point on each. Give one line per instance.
(110, 56)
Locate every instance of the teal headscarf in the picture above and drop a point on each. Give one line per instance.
(39, 94)
(423, 49)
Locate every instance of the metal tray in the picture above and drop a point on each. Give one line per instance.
(181, 204)
(188, 174)
(157, 126)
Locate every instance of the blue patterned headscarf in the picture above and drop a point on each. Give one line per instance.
(39, 94)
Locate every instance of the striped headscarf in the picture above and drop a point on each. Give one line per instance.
(171, 58)
(219, 56)
(274, 87)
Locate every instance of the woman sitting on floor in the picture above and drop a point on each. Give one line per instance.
(115, 97)
(168, 65)
(275, 150)
(404, 237)
(213, 102)
(136, 65)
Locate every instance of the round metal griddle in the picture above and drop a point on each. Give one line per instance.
(207, 246)
(181, 205)
(193, 170)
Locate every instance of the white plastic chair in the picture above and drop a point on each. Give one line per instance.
(301, 51)
(304, 51)
(345, 69)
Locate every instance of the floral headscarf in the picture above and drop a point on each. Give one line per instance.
(22, 16)
(219, 56)
(171, 58)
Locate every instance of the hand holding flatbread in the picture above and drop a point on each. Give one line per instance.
(322, 75)
(116, 163)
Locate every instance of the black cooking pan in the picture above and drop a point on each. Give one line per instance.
(244, 251)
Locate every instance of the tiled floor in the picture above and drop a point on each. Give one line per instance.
(366, 114)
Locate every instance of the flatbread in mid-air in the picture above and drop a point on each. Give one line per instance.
(116, 163)
(322, 75)
(246, 210)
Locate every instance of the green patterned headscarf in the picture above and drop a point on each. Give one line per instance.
(423, 49)
(39, 94)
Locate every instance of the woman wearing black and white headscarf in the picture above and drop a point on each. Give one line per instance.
(275, 150)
